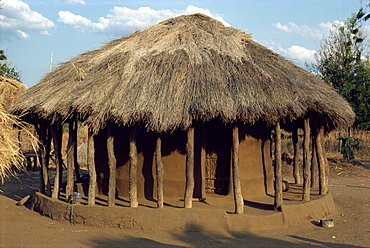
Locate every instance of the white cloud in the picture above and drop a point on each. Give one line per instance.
(123, 19)
(17, 20)
(77, 1)
(296, 54)
(307, 32)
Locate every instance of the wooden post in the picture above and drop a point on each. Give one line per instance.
(238, 197)
(296, 170)
(189, 168)
(278, 200)
(306, 161)
(91, 167)
(112, 167)
(56, 132)
(314, 164)
(159, 172)
(133, 169)
(323, 183)
(44, 154)
(72, 142)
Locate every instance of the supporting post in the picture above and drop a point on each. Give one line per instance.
(72, 142)
(296, 170)
(314, 164)
(189, 168)
(278, 200)
(44, 154)
(133, 169)
(91, 167)
(323, 182)
(159, 172)
(112, 167)
(306, 161)
(56, 132)
(238, 197)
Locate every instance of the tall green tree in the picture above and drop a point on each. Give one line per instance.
(343, 62)
(6, 70)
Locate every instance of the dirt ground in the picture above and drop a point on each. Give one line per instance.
(349, 184)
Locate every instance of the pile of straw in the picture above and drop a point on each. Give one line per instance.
(12, 159)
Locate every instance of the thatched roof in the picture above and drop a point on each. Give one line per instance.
(10, 90)
(182, 69)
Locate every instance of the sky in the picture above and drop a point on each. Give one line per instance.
(38, 35)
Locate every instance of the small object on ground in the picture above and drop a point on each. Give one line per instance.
(76, 198)
(285, 185)
(327, 222)
(23, 200)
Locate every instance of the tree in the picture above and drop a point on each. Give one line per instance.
(343, 62)
(6, 70)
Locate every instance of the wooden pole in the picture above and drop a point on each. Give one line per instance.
(91, 167)
(238, 197)
(323, 182)
(44, 153)
(133, 169)
(159, 172)
(306, 161)
(296, 169)
(278, 200)
(56, 132)
(72, 140)
(47, 159)
(314, 164)
(112, 167)
(189, 168)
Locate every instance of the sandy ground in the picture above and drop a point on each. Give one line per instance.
(349, 184)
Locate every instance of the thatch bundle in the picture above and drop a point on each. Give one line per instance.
(182, 69)
(11, 156)
(10, 91)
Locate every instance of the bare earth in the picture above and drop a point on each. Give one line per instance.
(349, 184)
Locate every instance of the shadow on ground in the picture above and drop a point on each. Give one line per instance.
(209, 239)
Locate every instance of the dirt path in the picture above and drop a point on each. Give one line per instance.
(21, 227)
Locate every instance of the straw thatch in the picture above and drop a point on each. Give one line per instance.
(182, 69)
(10, 90)
(11, 156)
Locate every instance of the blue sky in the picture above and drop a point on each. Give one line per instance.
(31, 30)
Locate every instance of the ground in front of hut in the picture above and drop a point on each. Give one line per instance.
(349, 185)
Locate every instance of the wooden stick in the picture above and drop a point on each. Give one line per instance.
(296, 169)
(159, 172)
(323, 183)
(112, 167)
(189, 168)
(92, 169)
(133, 169)
(72, 140)
(314, 165)
(45, 187)
(306, 161)
(238, 197)
(278, 200)
(56, 132)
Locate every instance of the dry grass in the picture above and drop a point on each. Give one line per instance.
(332, 143)
(11, 156)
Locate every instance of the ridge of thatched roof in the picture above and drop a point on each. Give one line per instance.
(10, 90)
(182, 69)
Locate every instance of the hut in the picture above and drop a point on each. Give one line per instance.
(11, 157)
(185, 109)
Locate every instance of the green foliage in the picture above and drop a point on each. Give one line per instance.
(6, 70)
(343, 61)
(348, 146)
